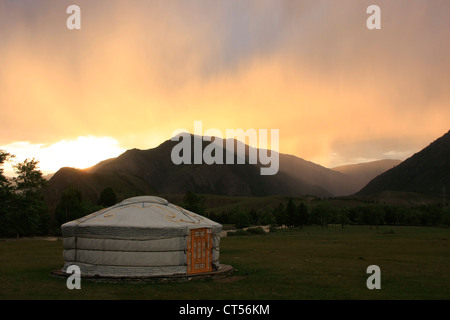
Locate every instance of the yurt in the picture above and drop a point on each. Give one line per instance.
(142, 237)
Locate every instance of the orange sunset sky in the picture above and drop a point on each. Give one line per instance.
(139, 70)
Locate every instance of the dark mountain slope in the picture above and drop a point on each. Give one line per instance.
(92, 184)
(156, 167)
(362, 173)
(152, 171)
(427, 171)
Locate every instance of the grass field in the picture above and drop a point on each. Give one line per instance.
(312, 263)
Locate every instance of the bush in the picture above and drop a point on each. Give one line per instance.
(257, 230)
(241, 219)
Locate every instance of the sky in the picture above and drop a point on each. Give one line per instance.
(138, 71)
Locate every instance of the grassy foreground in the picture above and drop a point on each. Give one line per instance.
(294, 264)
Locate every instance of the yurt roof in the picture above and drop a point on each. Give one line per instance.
(145, 213)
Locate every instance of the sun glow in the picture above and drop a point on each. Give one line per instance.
(336, 91)
(81, 153)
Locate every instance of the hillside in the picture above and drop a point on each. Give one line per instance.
(91, 185)
(137, 172)
(152, 172)
(427, 172)
(362, 173)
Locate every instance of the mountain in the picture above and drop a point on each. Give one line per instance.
(334, 182)
(137, 172)
(426, 172)
(362, 173)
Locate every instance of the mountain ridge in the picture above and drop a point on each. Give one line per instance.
(427, 172)
(151, 171)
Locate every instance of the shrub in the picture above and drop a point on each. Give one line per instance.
(257, 230)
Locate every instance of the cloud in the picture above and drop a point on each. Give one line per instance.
(81, 153)
(308, 68)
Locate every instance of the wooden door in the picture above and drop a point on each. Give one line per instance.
(199, 254)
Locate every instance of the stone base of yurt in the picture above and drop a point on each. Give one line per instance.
(223, 271)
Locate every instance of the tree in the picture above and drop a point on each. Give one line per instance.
(320, 214)
(241, 219)
(446, 216)
(194, 203)
(390, 215)
(267, 218)
(279, 213)
(302, 215)
(290, 213)
(343, 219)
(69, 206)
(434, 214)
(28, 208)
(253, 216)
(373, 215)
(4, 156)
(5, 195)
(107, 198)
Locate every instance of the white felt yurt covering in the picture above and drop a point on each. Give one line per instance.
(141, 237)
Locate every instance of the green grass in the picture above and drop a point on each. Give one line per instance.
(312, 263)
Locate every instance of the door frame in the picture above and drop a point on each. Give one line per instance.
(199, 250)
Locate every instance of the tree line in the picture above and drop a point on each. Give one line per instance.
(324, 214)
(23, 210)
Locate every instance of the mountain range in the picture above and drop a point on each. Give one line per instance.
(138, 172)
(426, 172)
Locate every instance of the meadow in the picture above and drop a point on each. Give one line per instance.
(291, 264)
